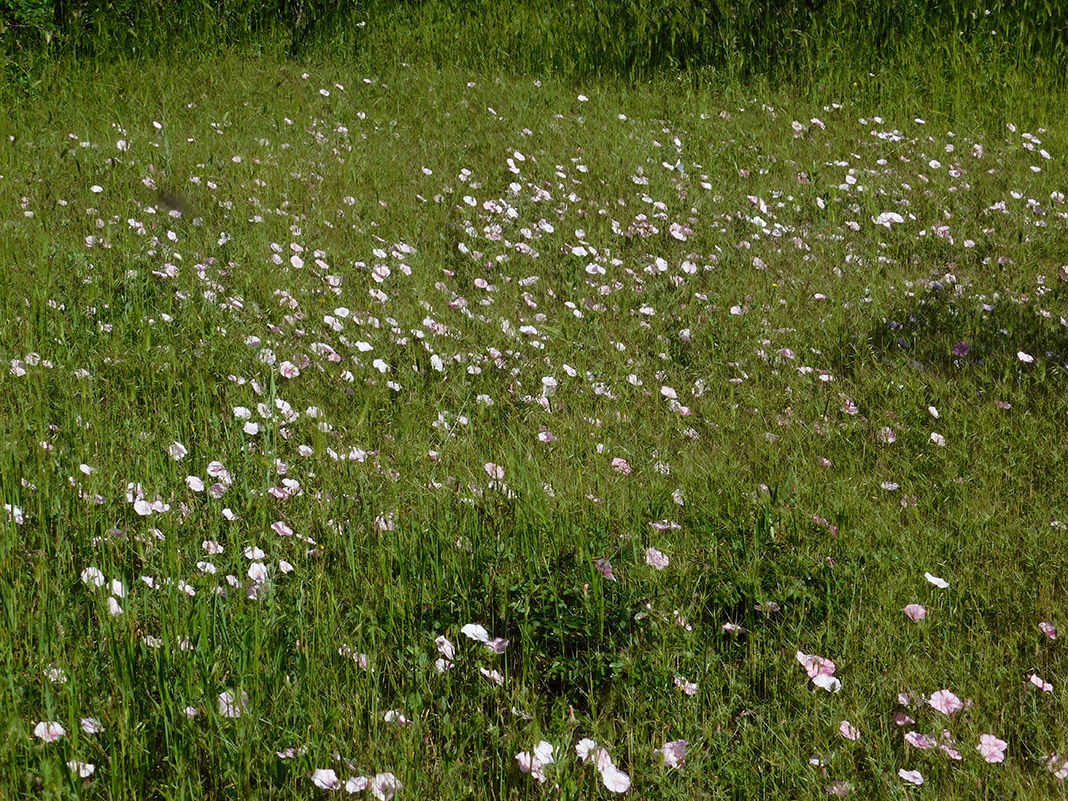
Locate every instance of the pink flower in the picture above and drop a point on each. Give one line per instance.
(81, 769)
(1048, 629)
(921, 741)
(534, 763)
(586, 748)
(945, 702)
(288, 370)
(673, 753)
(828, 683)
(232, 707)
(325, 779)
(49, 731)
(91, 726)
(384, 786)
(612, 777)
(815, 665)
(621, 465)
(605, 568)
(938, 582)
(1058, 765)
(656, 558)
(839, 789)
(1036, 680)
(991, 748)
(910, 776)
(848, 730)
(494, 471)
(687, 686)
(915, 612)
(356, 784)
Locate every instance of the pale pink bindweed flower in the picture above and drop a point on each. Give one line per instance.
(356, 784)
(1048, 629)
(605, 568)
(915, 612)
(910, 776)
(82, 770)
(839, 789)
(479, 634)
(1026, 358)
(945, 702)
(938, 582)
(534, 762)
(991, 748)
(921, 741)
(673, 753)
(1039, 682)
(848, 730)
(828, 683)
(656, 558)
(494, 471)
(91, 725)
(49, 731)
(687, 686)
(384, 786)
(615, 780)
(177, 451)
(93, 577)
(1058, 765)
(815, 665)
(620, 465)
(230, 707)
(325, 779)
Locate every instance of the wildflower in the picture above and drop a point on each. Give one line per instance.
(938, 582)
(673, 753)
(848, 730)
(945, 702)
(1039, 682)
(991, 748)
(49, 731)
(230, 707)
(81, 769)
(656, 558)
(325, 779)
(91, 725)
(910, 776)
(534, 762)
(915, 612)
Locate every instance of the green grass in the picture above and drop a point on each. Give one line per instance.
(393, 548)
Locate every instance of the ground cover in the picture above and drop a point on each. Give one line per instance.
(410, 430)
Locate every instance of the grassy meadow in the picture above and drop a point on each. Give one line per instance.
(410, 429)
